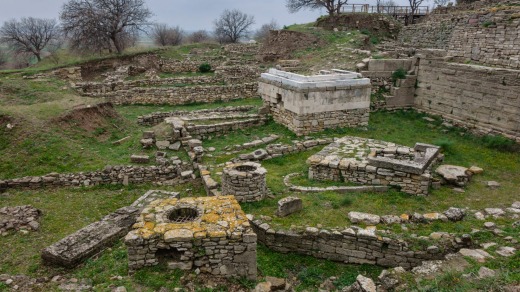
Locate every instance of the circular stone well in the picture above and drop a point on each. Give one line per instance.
(244, 180)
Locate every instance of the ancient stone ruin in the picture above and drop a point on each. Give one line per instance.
(211, 234)
(372, 162)
(308, 104)
(245, 180)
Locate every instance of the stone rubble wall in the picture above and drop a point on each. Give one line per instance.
(183, 95)
(349, 246)
(158, 117)
(484, 99)
(489, 36)
(280, 149)
(110, 175)
(202, 131)
(19, 217)
(249, 49)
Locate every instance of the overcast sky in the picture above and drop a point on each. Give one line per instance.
(188, 14)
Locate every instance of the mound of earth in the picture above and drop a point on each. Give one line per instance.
(96, 120)
(280, 44)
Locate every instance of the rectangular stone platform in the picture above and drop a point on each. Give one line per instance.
(90, 240)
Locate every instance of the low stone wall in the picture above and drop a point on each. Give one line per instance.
(183, 95)
(351, 245)
(101, 88)
(158, 117)
(484, 99)
(202, 131)
(110, 175)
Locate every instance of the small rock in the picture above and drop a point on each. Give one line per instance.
(489, 225)
(480, 216)
(263, 287)
(120, 289)
(492, 184)
(475, 170)
(370, 219)
(211, 149)
(488, 245)
(453, 174)
(175, 146)
(161, 145)
(276, 283)
(506, 251)
(9, 281)
(484, 272)
(516, 205)
(454, 214)
(495, 212)
(477, 254)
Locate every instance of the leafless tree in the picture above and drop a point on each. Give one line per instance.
(163, 35)
(332, 6)
(3, 57)
(262, 33)
(103, 24)
(414, 5)
(29, 35)
(199, 36)
(386, 6)
(441, 2)
(233, 25)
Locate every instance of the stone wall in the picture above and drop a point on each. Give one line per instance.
(375, 23)
(158, 117)
(351, 245)
(485, 99)
(202, 131)
(281, 44)
(109, 175)
(183, 95)
(489, 36)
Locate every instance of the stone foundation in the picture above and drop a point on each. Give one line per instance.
(246, 181)
(211, 234)
(372, 162)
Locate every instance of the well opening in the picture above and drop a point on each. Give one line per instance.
(246, 168)
(183, 215)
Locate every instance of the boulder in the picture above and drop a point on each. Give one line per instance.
(162, 145)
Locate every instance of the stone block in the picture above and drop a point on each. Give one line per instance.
(289, 205)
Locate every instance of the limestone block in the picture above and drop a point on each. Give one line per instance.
(289, 205)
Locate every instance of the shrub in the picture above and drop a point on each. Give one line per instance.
(398, 74)
(205, 68)
(501, 143)
(445, 144)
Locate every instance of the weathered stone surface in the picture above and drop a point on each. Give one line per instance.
(362, 284)
(289, 205)
(358, 217)
(476, 254)
(140, 159)
(475, 170)
(494, 211)
(90, 240)
(485, 272)
(454, 214)
(162, 145)
(452, 174)
(492, 184)
(19, 218)
(276, 283)
(390, 219)
(506, 251)
(516, 205)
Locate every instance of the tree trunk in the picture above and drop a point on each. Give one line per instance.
(38, 57)
(117, 45)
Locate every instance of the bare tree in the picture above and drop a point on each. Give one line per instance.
(414, 5)
(233, 25)
(332, 6)
(3, 57)
(441, 2)
(386, 6)
(262, 33)
(103, 24)
(29, 35)
(163, 35)
(199, 36)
